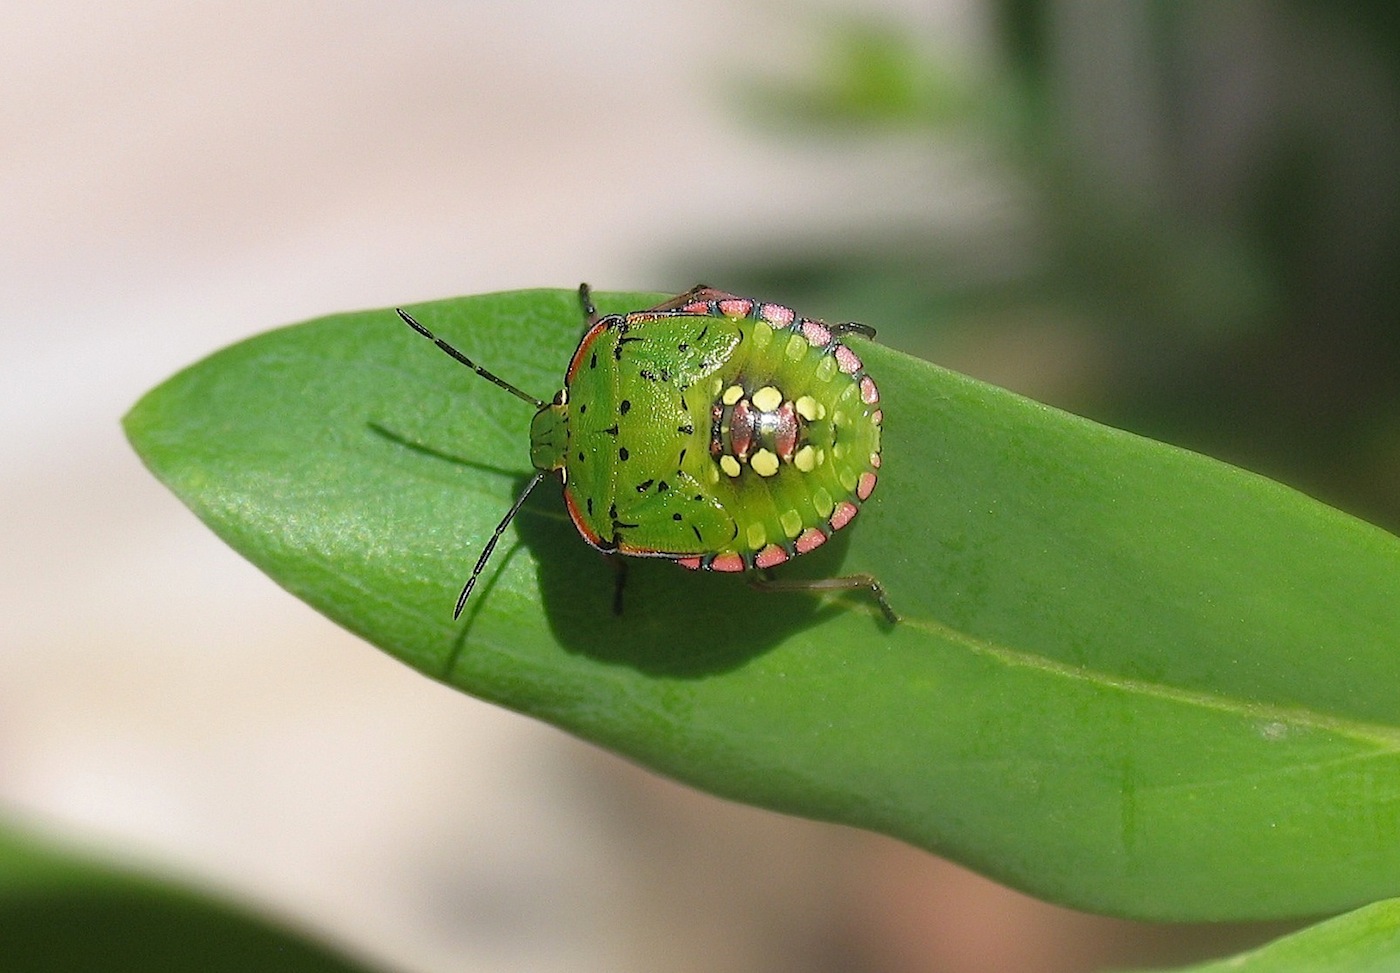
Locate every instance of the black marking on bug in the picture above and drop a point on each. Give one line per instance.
(624, 407)
(686, 429)
(644, 486)
(617, 348)
(593, 360)
(582, 408)
(662, 487)
(588, 502)
(622, 453)
(697, 533)
(611, 430)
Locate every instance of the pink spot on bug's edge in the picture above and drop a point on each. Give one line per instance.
(816, 334)
(865, 486)
(875, 460)
(847, 360)
(727, 562)
(693, 563)
(697, 307)
(842, 515)
(769, 556)
(777, 315)
(878, 416)
(809, 540)
(737, 307)
(869, 394)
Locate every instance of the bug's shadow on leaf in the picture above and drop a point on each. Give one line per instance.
(422, 449)
(674, 622)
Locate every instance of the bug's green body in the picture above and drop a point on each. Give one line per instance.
(653, 465)
(720, 432)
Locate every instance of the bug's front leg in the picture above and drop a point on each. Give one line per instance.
(585, 300)
(763, 581)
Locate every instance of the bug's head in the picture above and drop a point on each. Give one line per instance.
(549, 434)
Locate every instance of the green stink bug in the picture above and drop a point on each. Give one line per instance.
(716, 431)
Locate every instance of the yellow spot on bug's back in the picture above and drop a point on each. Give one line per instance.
(849, 391)
(764, 462)
(796, 347)
(805, 459)
(839, 450)
(756, 535)
(716, 385)
(767, 398)
(761, 335)
(848, 479)
(712, 474)
(729, 464)
(821, 456)
(809, 408)
(792, 522)
(826, 368)
(821, 499)
(732, 394)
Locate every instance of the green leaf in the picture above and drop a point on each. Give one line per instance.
(1129, 678)
(60, 913)
(1364, 941)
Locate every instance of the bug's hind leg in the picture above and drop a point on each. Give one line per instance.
(851, 327)
(762, 581)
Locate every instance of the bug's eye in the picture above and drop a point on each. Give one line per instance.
(561, 397)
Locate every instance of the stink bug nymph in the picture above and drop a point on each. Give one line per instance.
(716, 431)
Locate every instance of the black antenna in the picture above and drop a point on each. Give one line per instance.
(534, 480)
(491, 544)
(408, 320)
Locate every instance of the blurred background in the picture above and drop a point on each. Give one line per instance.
(1181, 218)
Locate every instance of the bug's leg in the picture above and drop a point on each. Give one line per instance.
(762, 581)
(851, 327)
(585, 300)
(619, 582)
(700, 292)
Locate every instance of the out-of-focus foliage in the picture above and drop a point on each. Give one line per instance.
(63, 913)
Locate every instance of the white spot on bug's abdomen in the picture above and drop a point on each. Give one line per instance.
(764, 462)
(765, 399)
